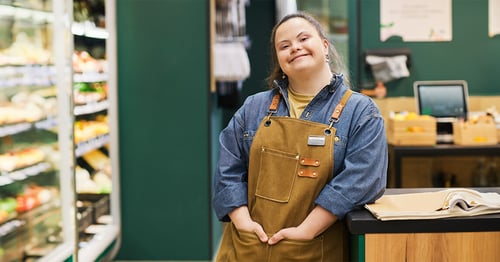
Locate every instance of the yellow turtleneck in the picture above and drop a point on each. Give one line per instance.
(298, 103)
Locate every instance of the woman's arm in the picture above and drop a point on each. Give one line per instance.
(315, 223)
(362, 172)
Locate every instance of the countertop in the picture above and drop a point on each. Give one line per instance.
(361, 221)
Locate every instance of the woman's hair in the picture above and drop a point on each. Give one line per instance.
(337, 65)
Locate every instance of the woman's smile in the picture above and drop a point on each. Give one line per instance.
(297, 57)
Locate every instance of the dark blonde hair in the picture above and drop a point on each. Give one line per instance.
(337, 65)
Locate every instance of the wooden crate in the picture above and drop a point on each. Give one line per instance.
(419, 132)
(466, 133)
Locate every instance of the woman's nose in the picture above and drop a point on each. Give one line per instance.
(296, 46)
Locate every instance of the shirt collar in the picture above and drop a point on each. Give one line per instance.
(335, 82)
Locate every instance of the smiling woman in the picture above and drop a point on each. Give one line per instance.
(304, 32)
(302, 55)
(278, 183)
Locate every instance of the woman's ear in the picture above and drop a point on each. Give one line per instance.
(326, 45)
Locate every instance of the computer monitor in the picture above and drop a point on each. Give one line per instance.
(446, 101)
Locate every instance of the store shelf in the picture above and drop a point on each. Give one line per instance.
(91, 77)
(33, 220)
(12, 129)
(38, 112)
(89, 29)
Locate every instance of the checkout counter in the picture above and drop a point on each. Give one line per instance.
(475, 238)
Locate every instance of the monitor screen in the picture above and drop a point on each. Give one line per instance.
(445, 100)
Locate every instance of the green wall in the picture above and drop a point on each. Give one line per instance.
(163, 96)
(470, 56)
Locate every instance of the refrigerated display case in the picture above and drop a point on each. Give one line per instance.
(53, 126)
(36, 203)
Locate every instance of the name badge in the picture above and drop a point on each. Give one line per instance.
(316, 140)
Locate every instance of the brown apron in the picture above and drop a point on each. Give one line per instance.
(290, 163)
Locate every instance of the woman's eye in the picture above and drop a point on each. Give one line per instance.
(303, 39)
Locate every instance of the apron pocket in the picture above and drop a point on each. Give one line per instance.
(295, 250)
(247, 245)
(277, 174)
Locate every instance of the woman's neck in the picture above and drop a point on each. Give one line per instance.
(311, 84)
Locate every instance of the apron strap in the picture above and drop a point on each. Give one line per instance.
(274, 104)
(273, 108)
(338, 109)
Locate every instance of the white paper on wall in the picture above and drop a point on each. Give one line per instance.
(416, 20)
(493, 18)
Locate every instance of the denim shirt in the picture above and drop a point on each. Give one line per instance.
(360, 153)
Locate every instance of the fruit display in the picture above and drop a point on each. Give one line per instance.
(480, 129)
(34, 196)
(410, 128)
(8, 208)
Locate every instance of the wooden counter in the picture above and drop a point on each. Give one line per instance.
(474, 238)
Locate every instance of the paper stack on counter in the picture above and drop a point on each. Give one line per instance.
(453, 202)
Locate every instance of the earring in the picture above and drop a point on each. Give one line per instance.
(327, 58)
(283, 76)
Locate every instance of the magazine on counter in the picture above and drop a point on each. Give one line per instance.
(453, 202)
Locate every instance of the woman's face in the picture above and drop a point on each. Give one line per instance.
(299, 47)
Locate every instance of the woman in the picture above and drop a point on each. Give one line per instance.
(295, 159)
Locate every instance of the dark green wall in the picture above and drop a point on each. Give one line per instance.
(470, 56)
(163, 96)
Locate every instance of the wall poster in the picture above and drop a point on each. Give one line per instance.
(494, 18)
(416, 20)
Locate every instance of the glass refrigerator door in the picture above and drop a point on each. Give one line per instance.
(36, 218)
(95, 129)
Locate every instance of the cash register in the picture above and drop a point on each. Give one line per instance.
(446, 100)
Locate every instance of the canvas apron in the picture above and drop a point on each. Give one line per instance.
(290, 162)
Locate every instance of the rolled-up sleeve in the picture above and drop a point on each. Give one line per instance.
(230, 180)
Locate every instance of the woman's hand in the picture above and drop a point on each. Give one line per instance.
(243, 222)
(315, 223)
(292, 233)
